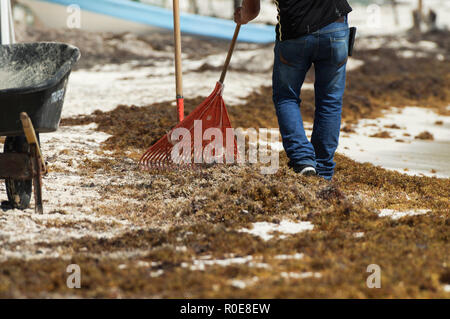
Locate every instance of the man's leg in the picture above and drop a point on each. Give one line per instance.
(292, 62)
(330, 68)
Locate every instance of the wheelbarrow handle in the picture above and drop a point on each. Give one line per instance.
(30, 135)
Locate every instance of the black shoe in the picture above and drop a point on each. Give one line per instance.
(305, 170)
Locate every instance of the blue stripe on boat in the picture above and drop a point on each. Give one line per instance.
(162, 18)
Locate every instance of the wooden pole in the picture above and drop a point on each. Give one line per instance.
(178, 65)
(230, 53)
(394, 9)
(420, 8)
(7, 35)
(418, 17)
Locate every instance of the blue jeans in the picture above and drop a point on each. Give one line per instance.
(327, 48)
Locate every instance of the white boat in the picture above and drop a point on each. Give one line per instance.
(128, 16)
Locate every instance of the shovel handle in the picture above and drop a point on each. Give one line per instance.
(178, 66)
(230, 53)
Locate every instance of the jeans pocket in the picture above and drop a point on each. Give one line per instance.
(339, 51)
(291, 52)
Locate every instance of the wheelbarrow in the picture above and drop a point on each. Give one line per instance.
(33, 82)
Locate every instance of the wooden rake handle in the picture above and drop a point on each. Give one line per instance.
(230, 53)
(178, 65)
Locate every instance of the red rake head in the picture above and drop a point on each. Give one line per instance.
(205, 136)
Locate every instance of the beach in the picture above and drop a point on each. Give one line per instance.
(229, 231)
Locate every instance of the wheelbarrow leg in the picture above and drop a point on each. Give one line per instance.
(37, 161)
(18, 190)
(37, 179)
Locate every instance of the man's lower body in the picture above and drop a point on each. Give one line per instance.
(327, 48)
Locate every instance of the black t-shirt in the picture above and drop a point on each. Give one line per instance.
(300, 17)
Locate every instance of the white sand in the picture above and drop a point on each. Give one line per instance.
(108, 86)
(201, 263)
(296, 256)
(242, 284)
(265, 230)
(302, 275)
(418, 157)
(397, 214)
(358, 235)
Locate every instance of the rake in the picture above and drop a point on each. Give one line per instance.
(205, 136)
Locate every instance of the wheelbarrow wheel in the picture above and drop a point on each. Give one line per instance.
(18, 191)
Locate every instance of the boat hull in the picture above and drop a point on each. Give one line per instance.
(56, 16)
(127, 16)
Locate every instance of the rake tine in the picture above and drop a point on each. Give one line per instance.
(155, 160)
(156, 154)
(164, 158)
(147, 158)
(212, 114)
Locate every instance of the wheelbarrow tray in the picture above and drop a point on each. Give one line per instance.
(33, 79)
